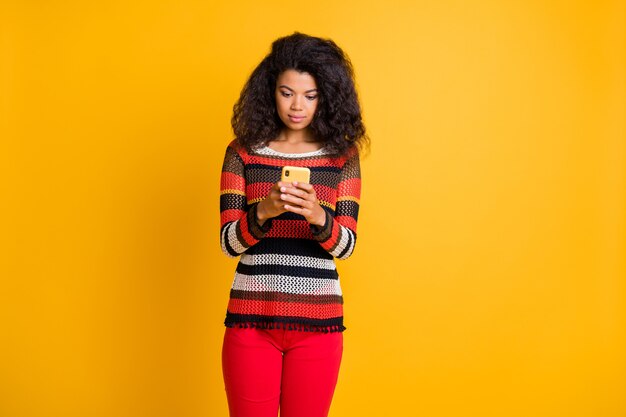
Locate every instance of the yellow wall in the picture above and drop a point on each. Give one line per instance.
(489, 275)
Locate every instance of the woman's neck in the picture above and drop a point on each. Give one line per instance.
(294, 142)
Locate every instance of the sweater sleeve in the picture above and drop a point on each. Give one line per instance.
(239, 228)
(338, 235)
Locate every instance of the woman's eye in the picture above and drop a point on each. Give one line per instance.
(286, 94)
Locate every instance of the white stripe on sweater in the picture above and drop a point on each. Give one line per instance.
(352, 243)
(235, 244)
(288, 260)
(343, 241)
(223, 242)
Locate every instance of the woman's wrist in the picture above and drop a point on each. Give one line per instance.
(261, 217)
(320, 219)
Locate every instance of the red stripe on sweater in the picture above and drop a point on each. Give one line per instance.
(351, 187)
(289, 309)
(230, 181)
(262, 189)
(258, 189)
(230, 215)
(328, 244)
(290, 228)
(245, 233)
(347, 221)
(325, 193)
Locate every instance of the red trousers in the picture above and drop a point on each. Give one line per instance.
(265, 369)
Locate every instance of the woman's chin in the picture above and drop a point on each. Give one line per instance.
(295, 126)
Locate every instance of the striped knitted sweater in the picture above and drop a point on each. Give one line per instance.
(286, 276)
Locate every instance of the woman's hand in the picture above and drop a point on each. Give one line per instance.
(272, 205)
(295, 197)
(300, 198)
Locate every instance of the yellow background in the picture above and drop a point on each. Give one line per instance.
(488, 279)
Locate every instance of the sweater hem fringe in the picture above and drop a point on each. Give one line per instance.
(286, 326)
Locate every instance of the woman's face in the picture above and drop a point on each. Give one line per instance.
(296, 98)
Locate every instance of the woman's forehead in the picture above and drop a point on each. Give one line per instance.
(296, 80)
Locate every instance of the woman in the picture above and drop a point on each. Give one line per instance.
(283, 340)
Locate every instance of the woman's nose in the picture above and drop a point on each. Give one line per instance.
(296, 104)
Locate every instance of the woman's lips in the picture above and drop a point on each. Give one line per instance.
(296, 119)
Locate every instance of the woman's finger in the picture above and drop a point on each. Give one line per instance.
(295, 200)
(304, 186)
(281, 184)
(294, 191)
(300, 192)
(298, 210)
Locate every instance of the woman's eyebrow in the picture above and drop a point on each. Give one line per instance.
(307, 91)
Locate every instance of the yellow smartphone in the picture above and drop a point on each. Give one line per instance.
(293, 174)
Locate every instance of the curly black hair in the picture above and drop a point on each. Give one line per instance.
(337, 120)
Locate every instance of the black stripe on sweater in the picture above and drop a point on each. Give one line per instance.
(286, 297)
(280, 168)
(289, 246)
(232, 201)
(287, 270)
(232, 318)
